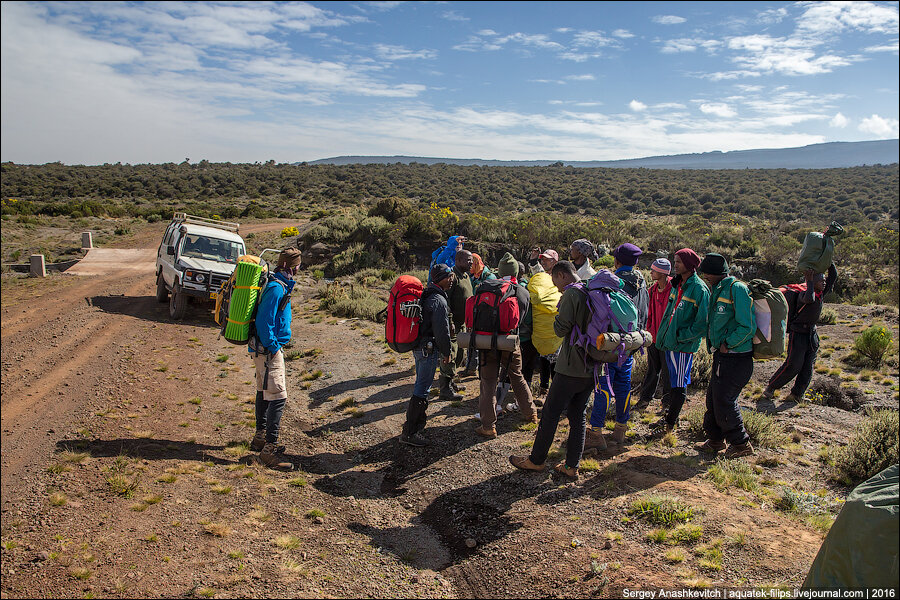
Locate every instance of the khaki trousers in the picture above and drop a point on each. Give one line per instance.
(491, 362)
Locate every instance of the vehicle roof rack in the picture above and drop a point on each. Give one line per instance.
(194, 220)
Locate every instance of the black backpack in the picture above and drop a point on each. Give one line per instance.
(636, 288)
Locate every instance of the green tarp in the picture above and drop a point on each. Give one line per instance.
(861, 549)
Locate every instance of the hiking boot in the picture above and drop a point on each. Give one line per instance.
(562, 469)
(258, 441)
(661, 429)
(416, 440)
(768, 393)
(271, 457)
(532, 418)
(739, 450)
(449, 395)
(593, 438)
(524, 463)
(486, 433)
(456, 386)
(710, 447)
(538, 402)
(618, 435)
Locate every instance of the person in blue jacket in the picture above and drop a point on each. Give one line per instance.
(446, 254)
(270, 332)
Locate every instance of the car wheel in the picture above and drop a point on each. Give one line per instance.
(177, 303)
(162, 294)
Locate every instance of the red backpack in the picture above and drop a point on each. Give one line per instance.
(493, 309)
(401, 328)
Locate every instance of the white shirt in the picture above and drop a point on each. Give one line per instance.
(586, 271)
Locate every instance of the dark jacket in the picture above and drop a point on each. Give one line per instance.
(459, 292)
(802, 318)
(573, 310)
(435, 325)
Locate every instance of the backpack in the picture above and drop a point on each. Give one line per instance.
(610, 309)
(771, 310)
(636, 287)
(239, 297)
(404, 313)
(494, 309)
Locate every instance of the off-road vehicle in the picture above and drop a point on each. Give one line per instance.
(195, 257)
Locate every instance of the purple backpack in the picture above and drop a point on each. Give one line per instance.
(603, 298)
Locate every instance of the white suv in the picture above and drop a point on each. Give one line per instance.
(195, 257)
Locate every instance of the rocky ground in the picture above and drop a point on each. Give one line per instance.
(126, 472)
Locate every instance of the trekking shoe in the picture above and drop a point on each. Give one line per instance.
(768, 393)
(661, 429)
(447, 394)
(739, 450)
(593, 438)
(258, 441)
(456, 386)
(468, 373)
(562, 469)
(271, 457)
(710, 447)
(524, 463)
(538, 402)
(487, 433)
(618, 435)
(532, 418)
(416, 440)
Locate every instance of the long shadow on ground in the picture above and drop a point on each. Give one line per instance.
(147, 308)
(150, 449)
(319, 397)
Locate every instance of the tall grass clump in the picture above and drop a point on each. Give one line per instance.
(873, 343)
(662, 510)
(874, 446)
(350, 301)
(763, 429)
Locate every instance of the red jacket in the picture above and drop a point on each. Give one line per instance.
(658, 300)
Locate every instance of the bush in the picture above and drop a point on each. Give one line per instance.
(289, 232)
(604, 262)
(694, 418)
(827, 391)
(873, 343)
(701, 371)
(828, 317)
(355, 258)
(874, 446)
(763, 429)
(351, 301)
(662, 510)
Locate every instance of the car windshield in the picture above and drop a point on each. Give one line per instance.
(200, 246)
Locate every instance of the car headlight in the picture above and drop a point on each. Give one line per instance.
(200, 277)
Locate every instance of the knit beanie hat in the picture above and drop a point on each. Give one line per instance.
(689, 258)
(713, 264)
(509, 266)
(440, 272)
(627, 254)
(661, 265)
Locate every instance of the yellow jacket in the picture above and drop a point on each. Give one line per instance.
(544, 300)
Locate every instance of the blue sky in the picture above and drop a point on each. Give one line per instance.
(88, 83)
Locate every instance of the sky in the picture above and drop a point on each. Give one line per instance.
(133, 82)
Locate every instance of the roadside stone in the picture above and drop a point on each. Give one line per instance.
(471, 543)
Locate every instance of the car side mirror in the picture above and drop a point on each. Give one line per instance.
(170, 250)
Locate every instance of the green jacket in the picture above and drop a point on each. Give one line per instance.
(731, 317)
(458, 293)
(683, 326)
(573, 309)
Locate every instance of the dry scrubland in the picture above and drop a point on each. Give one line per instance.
(126, 471)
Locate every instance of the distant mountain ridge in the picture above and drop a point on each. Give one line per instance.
(829, 155)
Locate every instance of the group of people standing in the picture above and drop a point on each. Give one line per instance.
(687, 301)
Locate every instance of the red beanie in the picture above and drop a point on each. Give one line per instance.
(689, 258)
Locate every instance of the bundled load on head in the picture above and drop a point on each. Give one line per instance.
(817, 252)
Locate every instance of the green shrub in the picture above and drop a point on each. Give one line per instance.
(661, 510)
(827, 317)
(604, 262)
(873, 343)
(763, 430)
(874, 446)
(728, 473)
(701, 371)
(351, 301)
(694, 418)
(355, 258)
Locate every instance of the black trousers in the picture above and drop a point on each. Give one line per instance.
(722, 420)
(800, 361)
(656, 368)
(570, 394)
(531, 360)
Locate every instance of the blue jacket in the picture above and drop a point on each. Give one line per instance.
(273, 329)
(445, 254)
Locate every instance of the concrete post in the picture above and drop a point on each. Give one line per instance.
(86, 240)
(38, 269)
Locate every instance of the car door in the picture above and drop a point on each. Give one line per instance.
(168, 260)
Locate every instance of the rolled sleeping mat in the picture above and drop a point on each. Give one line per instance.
(243, 300)
(506, 343)
(606, 348)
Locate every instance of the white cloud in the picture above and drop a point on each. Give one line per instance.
(880, 127)
(890, 47)
(839, 120)
(622, 33)
(772, 16)
(668, 20)
(689, 45)
(832, 17)
(595, 39)
(452, 15)
(586, 77)
(719, 109)
(390, 52)
(637, 106)
(787, 56)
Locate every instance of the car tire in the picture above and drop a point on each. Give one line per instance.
(162, 294)
(177, 303)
